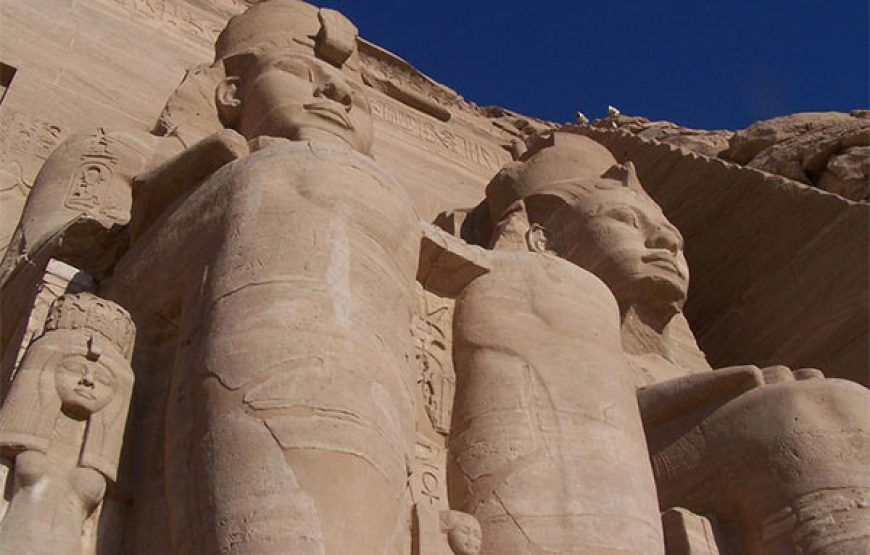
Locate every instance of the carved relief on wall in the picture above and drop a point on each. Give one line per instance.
(432, 332)
(25, 143)
(428, 486)
(14, 189)
(381, 66)
(446, 138)
(24, 134)
(90, 187)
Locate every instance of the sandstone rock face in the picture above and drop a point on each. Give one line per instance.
(848, 173)
(708, 143)
(826, 149)
(318, 369)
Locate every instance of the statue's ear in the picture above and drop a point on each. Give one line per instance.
(536, 239)
(227, 99)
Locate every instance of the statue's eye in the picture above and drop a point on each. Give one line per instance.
(74, 367)
(103, 377)
(295, 67)
(624, 215)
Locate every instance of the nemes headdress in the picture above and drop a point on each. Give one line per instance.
(563, 164)
(290, 25)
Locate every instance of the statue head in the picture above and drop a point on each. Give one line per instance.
(463, 532)
(577, 202)
(293, 71)
(79, 368)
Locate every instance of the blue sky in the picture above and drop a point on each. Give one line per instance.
(703, 63)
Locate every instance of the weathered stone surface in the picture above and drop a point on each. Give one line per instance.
(708, 143)
(320, 370)
(749, 143)
(688, 534)
(848, 173)
(826, 149)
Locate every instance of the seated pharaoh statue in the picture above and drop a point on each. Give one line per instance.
(573, 358)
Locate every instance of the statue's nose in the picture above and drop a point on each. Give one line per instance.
(87, 379)
(664, 238)
(335, 87)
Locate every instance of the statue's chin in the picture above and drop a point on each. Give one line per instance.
(656, 296)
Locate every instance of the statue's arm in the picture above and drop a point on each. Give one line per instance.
(678, 397)
(159, 187)
(672, 399)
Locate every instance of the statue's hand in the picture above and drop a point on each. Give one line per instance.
(782, 374)
(673, 399)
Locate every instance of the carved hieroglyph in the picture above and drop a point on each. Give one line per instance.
(63, 423)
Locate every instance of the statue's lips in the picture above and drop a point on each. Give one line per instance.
(663, 261)
(329, 111)
(85, 393)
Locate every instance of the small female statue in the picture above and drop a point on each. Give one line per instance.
(63, 423)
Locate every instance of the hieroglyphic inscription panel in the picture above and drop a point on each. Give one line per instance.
(447, 141)
(25, 134)
(90, 186)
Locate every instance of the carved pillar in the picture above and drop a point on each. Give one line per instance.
(57, 279)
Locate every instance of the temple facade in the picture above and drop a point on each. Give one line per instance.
(267, 288)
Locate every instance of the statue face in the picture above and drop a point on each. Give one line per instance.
(300, 97)
(624, 238)
(464, 536)
(84, 386)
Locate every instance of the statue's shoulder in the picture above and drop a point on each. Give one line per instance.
(545, 279)
(546, 268)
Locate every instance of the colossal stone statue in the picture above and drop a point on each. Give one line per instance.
(773, 456)
(546, 446)
(288, 277)
(63, 424)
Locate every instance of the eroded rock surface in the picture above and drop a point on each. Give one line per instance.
(828, 150)
(825, 149)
